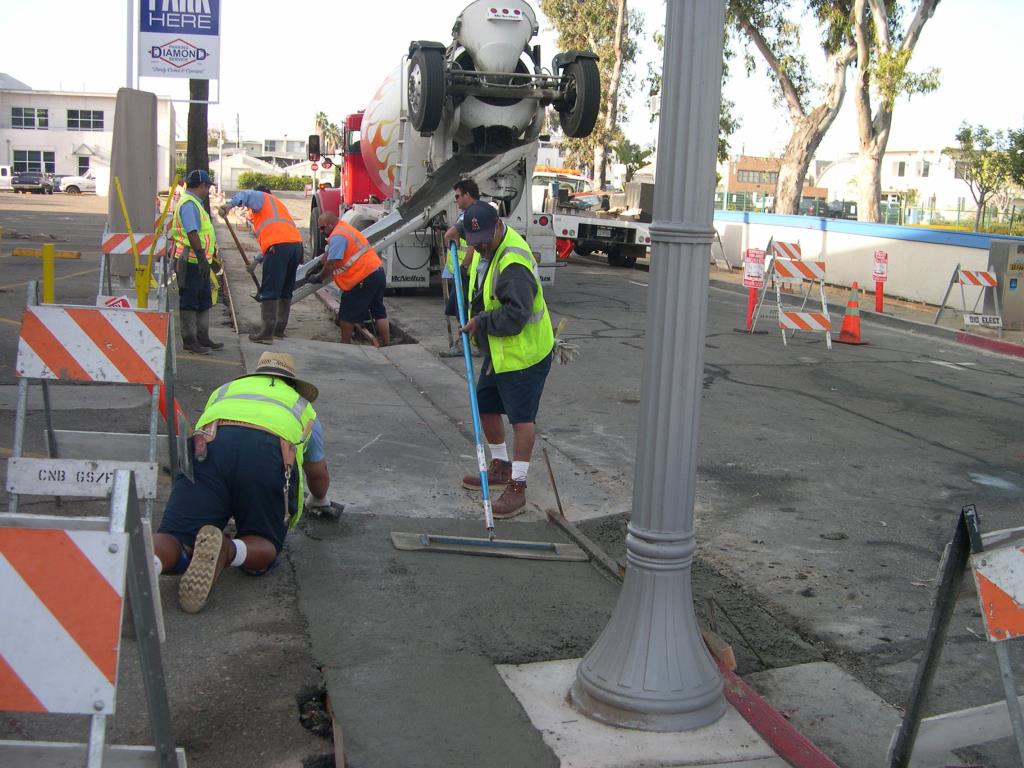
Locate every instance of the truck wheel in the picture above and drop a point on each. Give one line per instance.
(616, 258)
(582, 98)
(72, 190)
(426, 89)
(316, 237)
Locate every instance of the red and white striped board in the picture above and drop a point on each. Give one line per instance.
(782, 250)
(795, 271)
(95, 344)
(119, 242)
(999, 576)
(978, 277)
(804, 321)
(60, 619)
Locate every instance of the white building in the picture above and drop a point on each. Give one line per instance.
(930, 177)
(67, 133)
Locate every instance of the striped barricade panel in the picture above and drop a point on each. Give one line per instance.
(119, 242)
(804, 321)
(999, 576)
(60, 619)
(791, 271)
(978, 277)
(96, 344)
(782, 250)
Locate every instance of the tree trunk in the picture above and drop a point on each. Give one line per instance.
(612, 115)
(803, 143)
(869, 184)
(197, 154)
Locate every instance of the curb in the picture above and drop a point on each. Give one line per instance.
(928, 329)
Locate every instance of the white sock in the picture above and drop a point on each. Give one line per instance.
(240, 552)
(498, 451)
(519, 470)
(158, 564)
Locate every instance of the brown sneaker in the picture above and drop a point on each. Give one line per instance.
(498, 474)
(512, 500)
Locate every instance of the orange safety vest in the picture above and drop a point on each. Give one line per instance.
(352, 271)
(273, 224)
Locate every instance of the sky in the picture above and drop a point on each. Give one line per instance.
(281, 63)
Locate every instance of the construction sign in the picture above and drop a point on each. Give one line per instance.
(753, 268)
(999, 576)
(880, 272)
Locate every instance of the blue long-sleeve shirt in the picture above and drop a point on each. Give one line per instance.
(250, 198)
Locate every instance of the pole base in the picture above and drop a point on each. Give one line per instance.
(705, 712)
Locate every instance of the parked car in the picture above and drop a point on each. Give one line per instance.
(74, 185)
(31, 181)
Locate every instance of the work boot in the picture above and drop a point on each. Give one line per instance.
(189, 342)
(499, 473)
(265, 333)
(203, 330)
(197, 581)
(455, 350)
(284, 308)
(512, 500)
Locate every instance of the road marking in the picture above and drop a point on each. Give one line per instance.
(946, 364)
(634, 282)
(62, 277)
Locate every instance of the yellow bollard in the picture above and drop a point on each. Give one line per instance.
(48, 274)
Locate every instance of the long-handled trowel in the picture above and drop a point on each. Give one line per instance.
(530, 550)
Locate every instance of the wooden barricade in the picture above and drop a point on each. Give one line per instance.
(988, 282)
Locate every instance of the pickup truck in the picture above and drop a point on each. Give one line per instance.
(5, 177)
(31, 181)
(74, 185)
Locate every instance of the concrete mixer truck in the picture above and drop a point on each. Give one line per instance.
(470, 109)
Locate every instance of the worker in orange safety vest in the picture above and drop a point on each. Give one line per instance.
(358, 271)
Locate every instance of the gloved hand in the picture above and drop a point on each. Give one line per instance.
(323, 507)
(315, 279)
(223, 211)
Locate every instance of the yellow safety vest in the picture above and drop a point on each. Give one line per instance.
(267, 402)
(534, 342)
(207, 234)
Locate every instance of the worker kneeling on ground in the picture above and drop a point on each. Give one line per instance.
(281, 254)
(254, 442)
(510, 322)
(359, 273)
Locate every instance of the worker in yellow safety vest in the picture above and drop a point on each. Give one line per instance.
(509, 320)
(257, 438)
(358, 271)
(195, 244)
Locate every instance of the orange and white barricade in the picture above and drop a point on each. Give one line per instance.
(776, 249)
(792, 272)
(987, 297)
(63, 581)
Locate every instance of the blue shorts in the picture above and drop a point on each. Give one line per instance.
(516, 393)
(242, 477)
(279, 265)
(365, 300)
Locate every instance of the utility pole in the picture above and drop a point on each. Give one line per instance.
(649, 669)
(238, 133)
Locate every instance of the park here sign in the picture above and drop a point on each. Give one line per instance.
(179, 38)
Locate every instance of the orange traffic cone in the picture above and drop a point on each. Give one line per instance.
(849, 333)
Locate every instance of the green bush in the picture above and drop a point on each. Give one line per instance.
(251, 180)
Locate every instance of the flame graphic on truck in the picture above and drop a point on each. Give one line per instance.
(380, 154)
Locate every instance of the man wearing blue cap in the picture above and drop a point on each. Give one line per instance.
(509, 321)
(195, 242)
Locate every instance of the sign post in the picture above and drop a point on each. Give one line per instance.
(880, 274)
(753, 278)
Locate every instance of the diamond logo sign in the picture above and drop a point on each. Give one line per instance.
(178, 53)
(179, 38)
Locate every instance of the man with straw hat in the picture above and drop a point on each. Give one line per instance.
(255, 434)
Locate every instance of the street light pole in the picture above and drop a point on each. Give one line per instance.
(649, 669)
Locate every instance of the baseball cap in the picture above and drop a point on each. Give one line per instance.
(197, 177)
(479, 221)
